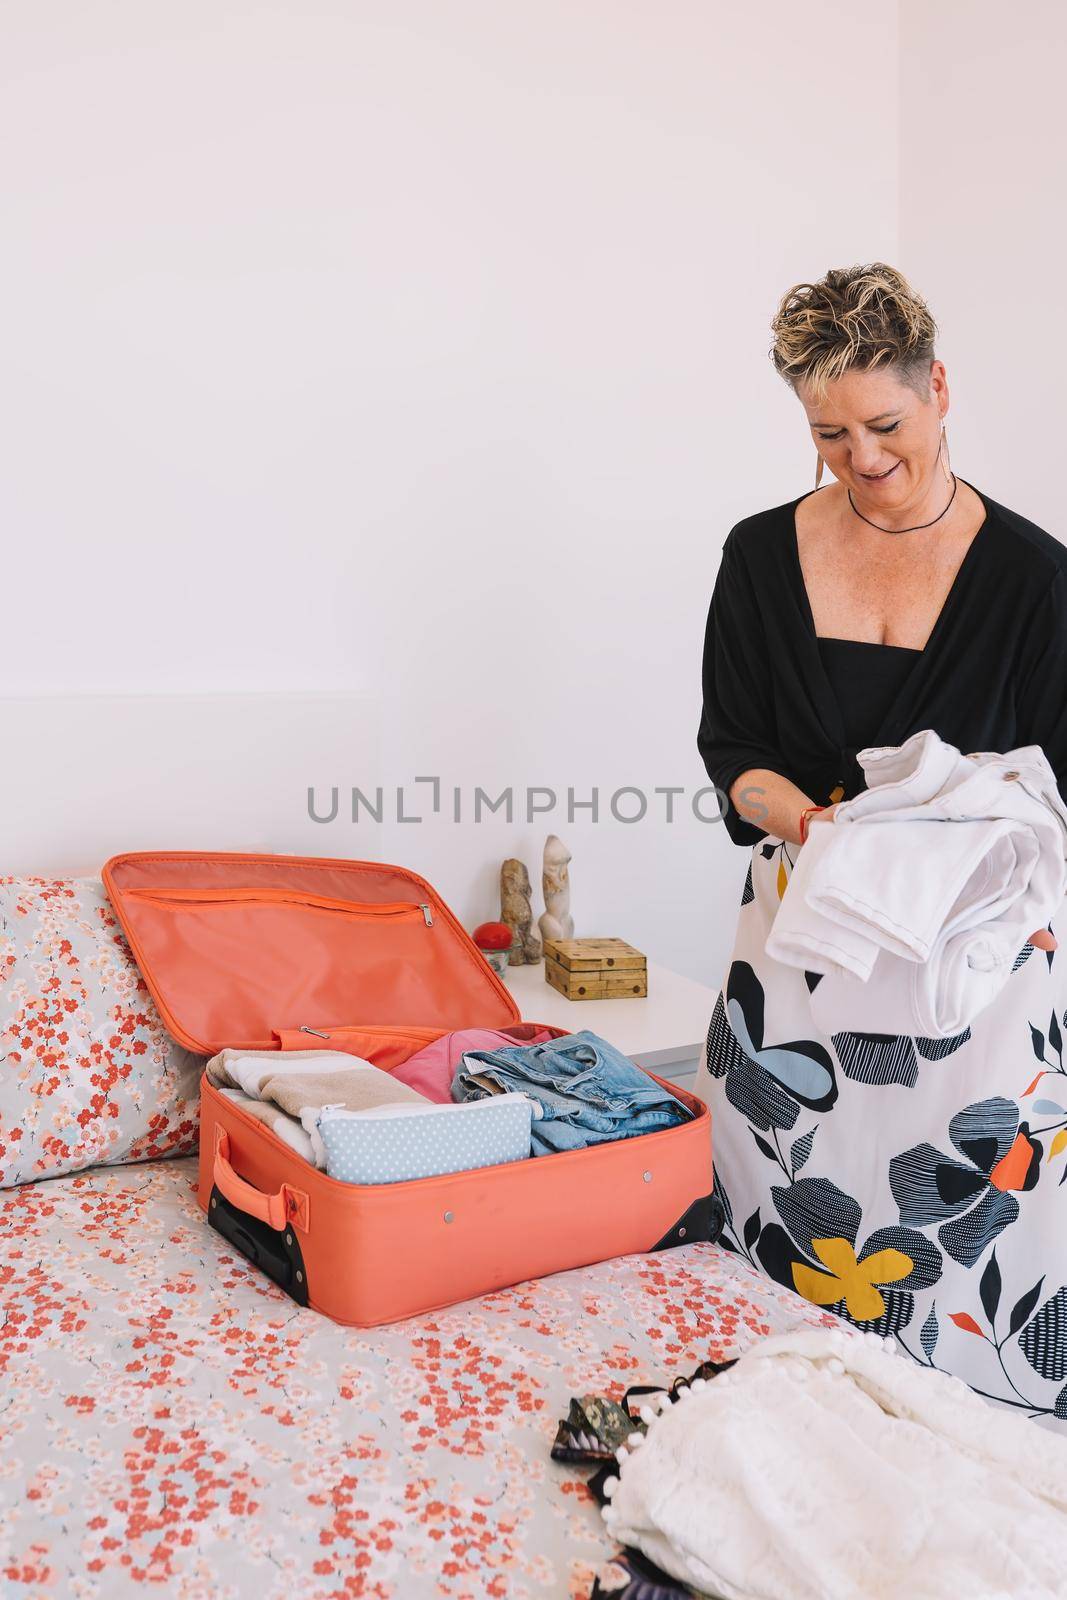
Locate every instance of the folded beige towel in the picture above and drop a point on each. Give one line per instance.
(288, 1089)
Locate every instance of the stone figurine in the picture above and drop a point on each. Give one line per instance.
(517, 912)
(556, 921)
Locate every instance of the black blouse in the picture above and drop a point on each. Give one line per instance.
(866, 678)
(993, 674)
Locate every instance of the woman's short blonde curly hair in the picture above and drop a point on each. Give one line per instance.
(854, 317)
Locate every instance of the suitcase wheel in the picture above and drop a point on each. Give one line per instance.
(277, 1253)
(701, 1224)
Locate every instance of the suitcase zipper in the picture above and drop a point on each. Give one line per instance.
(177, 899)
(391, 1030)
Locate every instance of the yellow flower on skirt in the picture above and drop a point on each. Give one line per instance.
(850, 1280)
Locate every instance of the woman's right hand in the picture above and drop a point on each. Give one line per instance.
(826, 815)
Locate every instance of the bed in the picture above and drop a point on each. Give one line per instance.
(172, 1423)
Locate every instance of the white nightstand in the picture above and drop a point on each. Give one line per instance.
(664, 1030)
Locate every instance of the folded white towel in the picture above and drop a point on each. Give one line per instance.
(916, 924)
(821, 1468)
(286, 1089)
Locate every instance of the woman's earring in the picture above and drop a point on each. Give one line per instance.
(942, 451)
(818, 469)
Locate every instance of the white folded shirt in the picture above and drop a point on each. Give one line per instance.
(915, 900)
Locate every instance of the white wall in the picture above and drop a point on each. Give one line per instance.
(983, 232)
(86, 777)
(419, 350)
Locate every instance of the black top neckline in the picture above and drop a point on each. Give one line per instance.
(869, 644)
(827, 701)
(955, 586)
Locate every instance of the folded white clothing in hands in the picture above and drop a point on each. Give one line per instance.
(914, 902)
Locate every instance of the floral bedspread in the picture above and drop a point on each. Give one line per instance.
(171, 1423)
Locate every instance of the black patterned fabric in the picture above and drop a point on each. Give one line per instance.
(629, 1576)
(593, 1429)
(1044, 1340)
(911, 1185)
(877, 1058)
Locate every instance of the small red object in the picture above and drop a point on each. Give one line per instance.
(805, 820)
(493, 936)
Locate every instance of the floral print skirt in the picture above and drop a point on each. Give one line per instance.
(914, 1186)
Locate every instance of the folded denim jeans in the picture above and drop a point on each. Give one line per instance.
(588, 1091)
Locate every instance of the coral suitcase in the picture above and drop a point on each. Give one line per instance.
(263, 952)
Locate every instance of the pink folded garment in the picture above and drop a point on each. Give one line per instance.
(431, 1069)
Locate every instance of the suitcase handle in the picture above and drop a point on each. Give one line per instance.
(276, 1210)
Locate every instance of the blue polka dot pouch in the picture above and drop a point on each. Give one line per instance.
(395, 1143)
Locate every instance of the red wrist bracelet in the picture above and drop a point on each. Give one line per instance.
(808, 811)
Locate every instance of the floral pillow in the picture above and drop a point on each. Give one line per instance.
(87, 1074)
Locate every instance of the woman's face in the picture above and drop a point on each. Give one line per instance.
(875, 434)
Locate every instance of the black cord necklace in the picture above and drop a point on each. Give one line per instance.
(918, 526)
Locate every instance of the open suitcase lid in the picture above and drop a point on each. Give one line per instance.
(239, 949)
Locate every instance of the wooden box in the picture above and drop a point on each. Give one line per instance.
(595, 969)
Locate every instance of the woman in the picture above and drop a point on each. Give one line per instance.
(920, 1194)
